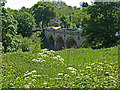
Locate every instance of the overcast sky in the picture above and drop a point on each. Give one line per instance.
(17, 4)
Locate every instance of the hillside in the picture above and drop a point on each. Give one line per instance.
(70, 68)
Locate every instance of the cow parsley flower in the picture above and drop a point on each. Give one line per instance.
(45, 83)
(71, 68)
(60, 74)
(26, 86)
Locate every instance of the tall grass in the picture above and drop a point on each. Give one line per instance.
(70, 68)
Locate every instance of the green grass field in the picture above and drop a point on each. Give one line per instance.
(70, 68)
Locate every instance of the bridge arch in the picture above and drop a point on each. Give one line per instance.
(71, 43)
(51, 41)
(59, 43)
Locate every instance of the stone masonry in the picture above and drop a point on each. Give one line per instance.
(59, 39)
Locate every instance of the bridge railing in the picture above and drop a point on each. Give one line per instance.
(63, 31)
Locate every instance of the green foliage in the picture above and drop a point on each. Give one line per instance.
(102, 25)
(9, 31)
(26, 44)
(29, 44)
(2, 2)
(36, 45)
(64, 21)
(73, 25)
(75, 68)
(59, 4)
(26, 23)
(43, 12)
(83, 4)
(78, 18)
(24, 9)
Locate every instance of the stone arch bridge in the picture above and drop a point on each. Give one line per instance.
(59, 39)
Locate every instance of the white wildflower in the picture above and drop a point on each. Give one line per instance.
(98, 65)
(40, 54)
(58, 78)
(60, 74)
(92, 63)
(61, 59)
(39, 58)
(33, 80)
(107, 72)
(34, 71)
(48, 52)
(111, 77)
(74, 72)
(45, 83)
(43, 60)
(81, 74)
(45, 55)
(26, 86)
(44, 50)
(58, 56)
(36, 75)
(51, 78)
(88, 67)
(30, 83)
(34, 59)
(66, 75)
(71, 68)
(27, 74)
(55, 57)
(52, 51)
(77, 77)
(101, 63)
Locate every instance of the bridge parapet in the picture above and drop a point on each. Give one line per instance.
(62, 31)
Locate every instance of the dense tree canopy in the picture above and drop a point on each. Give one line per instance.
(26, 23)
(59, 4)
(9, 31)
(43, 12)
(103, 23)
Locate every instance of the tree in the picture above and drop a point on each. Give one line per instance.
(43, 12)
(26, 23)
(83, 4)
(64, 21)
(100, 29)
(2, 3)
(9, 31)
(59, 4)
(78, 18)
(24, 9)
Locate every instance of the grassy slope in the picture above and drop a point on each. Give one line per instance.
(87, 75)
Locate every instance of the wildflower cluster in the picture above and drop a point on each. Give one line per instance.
(58, 57)
(48, 54)
(29, 73)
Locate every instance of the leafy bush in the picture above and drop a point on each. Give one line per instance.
(9, 31)
(26, 23)
(73, 25)
(26, 42)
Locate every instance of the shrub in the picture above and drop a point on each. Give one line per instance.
(25, 46)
